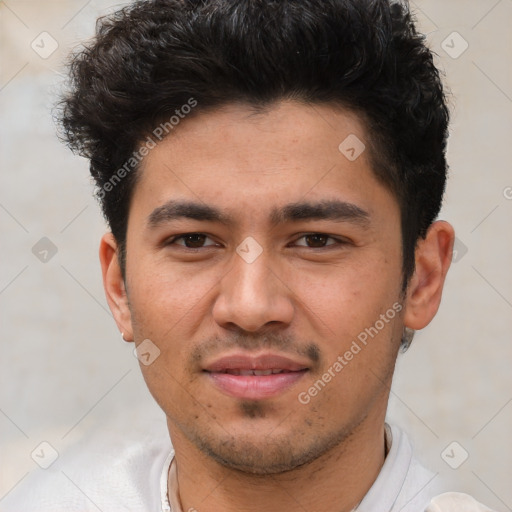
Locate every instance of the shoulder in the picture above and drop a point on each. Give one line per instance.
(455, 502)
(112, 468)
(411, 487)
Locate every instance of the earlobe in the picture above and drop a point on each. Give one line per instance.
(433, 258)
(114, 285)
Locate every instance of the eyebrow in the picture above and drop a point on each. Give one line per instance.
(335, 210)
(173, 210)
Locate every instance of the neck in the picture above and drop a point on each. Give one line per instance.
(336, 481)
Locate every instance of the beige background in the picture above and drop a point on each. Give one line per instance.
(63, 366)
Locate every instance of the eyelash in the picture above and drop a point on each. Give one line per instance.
(172, 241)
(337, 241)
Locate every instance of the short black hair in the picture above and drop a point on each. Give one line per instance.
(154, 61)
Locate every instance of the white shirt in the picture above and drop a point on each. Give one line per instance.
(113, 473)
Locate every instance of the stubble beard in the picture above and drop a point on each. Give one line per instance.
(270, 454)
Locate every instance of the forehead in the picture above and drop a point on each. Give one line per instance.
(240, 160)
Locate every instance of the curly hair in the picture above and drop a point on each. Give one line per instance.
(151, 58)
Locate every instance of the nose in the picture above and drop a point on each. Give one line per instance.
(252, 297)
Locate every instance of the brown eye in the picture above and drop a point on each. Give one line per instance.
(316, 240)
(193, 240)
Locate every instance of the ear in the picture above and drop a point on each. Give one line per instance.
(433, 258)
(114, 285)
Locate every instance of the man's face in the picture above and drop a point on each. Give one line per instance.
(291, 252)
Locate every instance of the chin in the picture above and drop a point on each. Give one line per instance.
(258, 453)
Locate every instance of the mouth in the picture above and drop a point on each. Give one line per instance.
(255, 378)
(259, 373)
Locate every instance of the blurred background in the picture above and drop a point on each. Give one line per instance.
(64, 369)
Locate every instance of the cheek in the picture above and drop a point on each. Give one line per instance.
(345, 299)
(169, 308)
(162, 298)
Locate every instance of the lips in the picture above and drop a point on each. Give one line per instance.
(259, 373)
(261, 362)
(255, 377)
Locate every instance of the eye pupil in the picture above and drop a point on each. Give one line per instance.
(194, 240)
(316, 240)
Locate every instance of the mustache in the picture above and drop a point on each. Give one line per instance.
(252, 342)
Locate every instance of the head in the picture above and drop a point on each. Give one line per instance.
(271, 173)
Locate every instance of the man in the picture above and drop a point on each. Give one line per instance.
(271, 172)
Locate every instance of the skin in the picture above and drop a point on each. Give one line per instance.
(198, 304)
